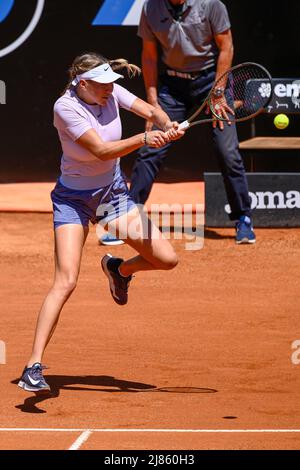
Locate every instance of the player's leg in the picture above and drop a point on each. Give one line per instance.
(69, 241)
(155, 252)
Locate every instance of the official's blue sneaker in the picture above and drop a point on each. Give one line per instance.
(109, 239)
(244, 231)
(32, 379)
(118, 284)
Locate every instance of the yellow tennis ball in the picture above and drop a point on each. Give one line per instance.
(281, 121)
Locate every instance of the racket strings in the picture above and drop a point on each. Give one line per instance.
(248, 91)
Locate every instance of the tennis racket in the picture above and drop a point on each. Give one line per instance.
(241, 93)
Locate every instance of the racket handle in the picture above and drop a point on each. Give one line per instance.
(184, 125)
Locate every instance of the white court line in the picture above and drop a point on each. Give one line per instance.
(81, 440)
(151, 430)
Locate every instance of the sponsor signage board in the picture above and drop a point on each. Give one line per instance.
(275, 200)
(285, 97)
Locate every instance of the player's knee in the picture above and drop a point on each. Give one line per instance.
(168, 262)
(66, 285)
(172, 262)
(70, 284)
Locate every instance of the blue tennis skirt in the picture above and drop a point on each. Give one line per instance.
(92, 205)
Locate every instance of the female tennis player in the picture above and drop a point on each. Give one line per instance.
(91, 188)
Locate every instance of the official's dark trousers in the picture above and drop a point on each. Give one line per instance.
(178, 97)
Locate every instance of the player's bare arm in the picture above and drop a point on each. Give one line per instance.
(91, 141)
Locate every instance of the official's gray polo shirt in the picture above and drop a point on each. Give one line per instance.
(188, 45)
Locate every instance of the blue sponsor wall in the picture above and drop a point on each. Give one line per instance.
(35, 72)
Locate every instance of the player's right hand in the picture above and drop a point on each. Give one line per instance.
(157, 139)
(174, 133)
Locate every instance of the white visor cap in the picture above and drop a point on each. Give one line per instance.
(101, 74)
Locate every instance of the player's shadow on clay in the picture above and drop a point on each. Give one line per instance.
(83, 383)
(93, 383)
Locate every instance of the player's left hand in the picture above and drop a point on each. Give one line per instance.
(172, 130)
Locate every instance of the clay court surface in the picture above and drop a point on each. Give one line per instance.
(200, 358)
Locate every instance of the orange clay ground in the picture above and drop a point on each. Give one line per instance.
(199, 351)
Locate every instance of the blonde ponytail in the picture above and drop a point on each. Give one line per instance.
(118, 64)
